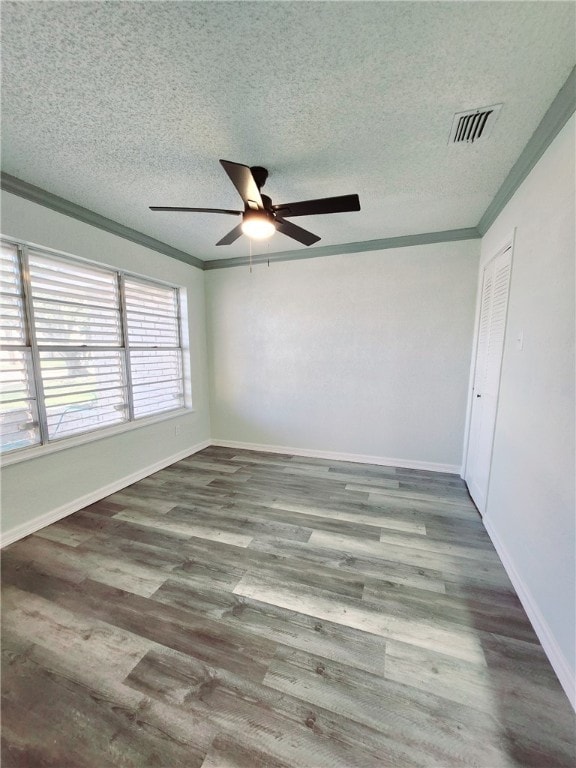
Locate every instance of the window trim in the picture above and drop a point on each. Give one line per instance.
(24, 264)
(49, 446)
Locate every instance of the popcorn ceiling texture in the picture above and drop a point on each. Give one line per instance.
(120, 105)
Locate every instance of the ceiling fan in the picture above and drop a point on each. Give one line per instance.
(260, 218)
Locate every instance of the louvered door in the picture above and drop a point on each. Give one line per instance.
(490, 346)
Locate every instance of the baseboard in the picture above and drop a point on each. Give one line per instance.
(559, 662)
(354, 457)
(9, 537)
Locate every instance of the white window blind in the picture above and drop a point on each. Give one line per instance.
(99, 347)
(79, 336)
(19, 426)
(155, 351)
(74, 305)
(83, 390)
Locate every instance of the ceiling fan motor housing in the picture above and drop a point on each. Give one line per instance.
(267, 202)
(266, 214)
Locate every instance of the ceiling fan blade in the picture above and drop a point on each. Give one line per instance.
(241, 177)
(233, 235)
(193, 210)
(296, 233)
(323, 205)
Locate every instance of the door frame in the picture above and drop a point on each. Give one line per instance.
(486, 258)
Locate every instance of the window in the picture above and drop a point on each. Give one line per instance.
(154, 339)
(82, 348)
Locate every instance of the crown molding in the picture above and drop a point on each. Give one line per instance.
(551, 124)
(447, 236)
(37, 195)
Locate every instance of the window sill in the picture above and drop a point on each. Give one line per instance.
(37, 451)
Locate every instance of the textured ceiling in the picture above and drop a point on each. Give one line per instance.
(116, 106)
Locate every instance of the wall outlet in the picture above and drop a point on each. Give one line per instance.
(177, 429)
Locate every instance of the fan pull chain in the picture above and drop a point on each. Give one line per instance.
(250, 241)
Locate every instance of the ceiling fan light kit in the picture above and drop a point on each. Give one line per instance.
(260, 218)
(258, 226)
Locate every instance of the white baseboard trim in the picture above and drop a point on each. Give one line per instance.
(31, 526)
(358, 458)
(559, 662)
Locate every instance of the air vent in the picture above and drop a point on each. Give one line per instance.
(473, 125)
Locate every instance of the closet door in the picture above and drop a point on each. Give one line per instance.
(490, 346)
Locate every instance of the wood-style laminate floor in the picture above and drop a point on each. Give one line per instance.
(243, 610)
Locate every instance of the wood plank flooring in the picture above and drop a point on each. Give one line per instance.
(249, 610)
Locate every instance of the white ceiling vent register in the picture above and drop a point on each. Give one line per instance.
(474, 124)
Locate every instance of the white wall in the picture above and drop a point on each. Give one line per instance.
(531, 505)
(42, 485)
(364, 354)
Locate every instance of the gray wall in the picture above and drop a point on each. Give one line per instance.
(531, 505)
(365, 354)
(41, 485)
